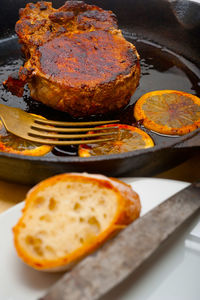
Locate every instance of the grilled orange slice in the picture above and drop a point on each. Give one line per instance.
(169, 112)
(127, 138)
(14, 144)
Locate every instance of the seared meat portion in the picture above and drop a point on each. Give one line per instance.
(76, 58)
(40, 22)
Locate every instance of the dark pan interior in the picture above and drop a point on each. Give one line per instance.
(166, 34)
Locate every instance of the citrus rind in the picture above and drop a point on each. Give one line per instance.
(168, 112)
(128, 138)
(12, 144)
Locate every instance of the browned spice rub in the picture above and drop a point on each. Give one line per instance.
(77, 60)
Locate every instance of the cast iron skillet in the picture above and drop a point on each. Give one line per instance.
(168, 29)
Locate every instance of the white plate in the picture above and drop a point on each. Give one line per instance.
(172, 273)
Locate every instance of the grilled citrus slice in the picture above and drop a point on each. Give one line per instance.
(127, 138)
(168, 112)
(14, 144)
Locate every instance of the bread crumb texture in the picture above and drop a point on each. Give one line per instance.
(68, 216)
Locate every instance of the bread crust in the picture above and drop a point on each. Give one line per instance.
(128, 209)
(77, 59)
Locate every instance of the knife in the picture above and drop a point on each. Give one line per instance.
(100, 272)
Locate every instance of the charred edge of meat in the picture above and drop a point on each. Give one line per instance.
(31, 27)
(96, 15)
(75, 6)
(42, 5)
(17, 80)
(97, 19)
(61, 17)
(14, 84)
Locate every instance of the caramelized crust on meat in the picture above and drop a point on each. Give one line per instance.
(77, 59)
(40, 22)
(87, 58)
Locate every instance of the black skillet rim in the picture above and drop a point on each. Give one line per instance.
(77, 159)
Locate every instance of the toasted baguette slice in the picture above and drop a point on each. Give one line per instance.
(69, 215)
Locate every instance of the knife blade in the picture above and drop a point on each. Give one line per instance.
(100, 272)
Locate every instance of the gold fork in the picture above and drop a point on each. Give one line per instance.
(36, 129)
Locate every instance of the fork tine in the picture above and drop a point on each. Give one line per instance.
(73, 124)
(44, 132)
(57, 129)
(65, 143)
(67, 136)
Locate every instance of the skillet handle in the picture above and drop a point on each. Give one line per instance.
(186, 12)
(193, 141)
